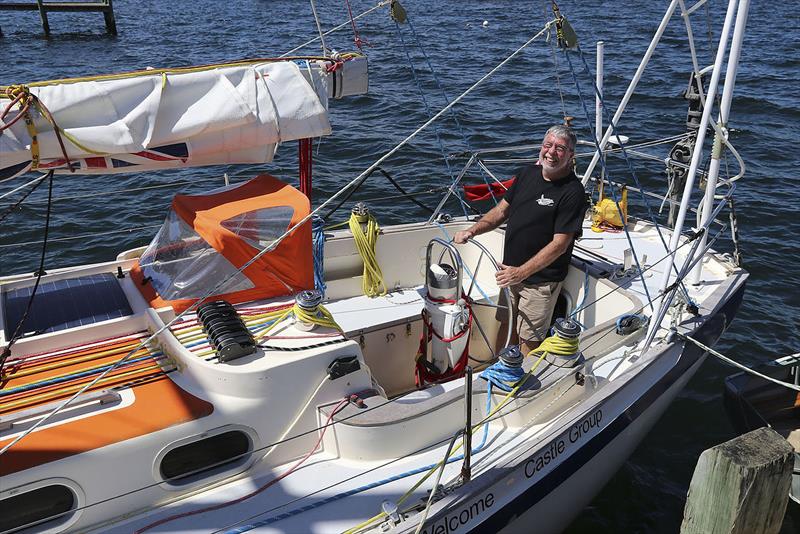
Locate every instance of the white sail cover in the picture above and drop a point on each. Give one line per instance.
(219, 115)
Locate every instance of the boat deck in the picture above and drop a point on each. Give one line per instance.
(129, 401)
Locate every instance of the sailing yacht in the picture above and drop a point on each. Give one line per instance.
(252, 369)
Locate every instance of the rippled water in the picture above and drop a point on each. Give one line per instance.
(648, 494)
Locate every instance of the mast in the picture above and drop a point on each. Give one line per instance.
(663, 303)
(724, 113)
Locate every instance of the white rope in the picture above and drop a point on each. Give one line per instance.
(743, 367)
(82, 236)
(23, 186)
(319, 28)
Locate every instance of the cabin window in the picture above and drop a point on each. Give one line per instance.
(202, 457)
(42, 506)
(65, 303)
(182, 265)
(260, 227)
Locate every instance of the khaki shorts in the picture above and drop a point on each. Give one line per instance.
(534, 304)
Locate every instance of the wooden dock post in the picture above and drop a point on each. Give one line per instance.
(104, 6)
(741, 486)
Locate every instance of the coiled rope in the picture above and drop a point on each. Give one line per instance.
(503, 376)
(318, 316)
(366, 239)
(557, 345)
(507, 377)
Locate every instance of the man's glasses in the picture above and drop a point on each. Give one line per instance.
(561, 149)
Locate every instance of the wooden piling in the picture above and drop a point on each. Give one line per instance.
(106, 7)
(741, 486)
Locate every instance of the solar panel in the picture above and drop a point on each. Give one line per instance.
(66, 304)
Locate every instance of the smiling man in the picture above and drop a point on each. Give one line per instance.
(544, 209)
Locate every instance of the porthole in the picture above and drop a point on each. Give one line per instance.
(205, 456)
(41, 508)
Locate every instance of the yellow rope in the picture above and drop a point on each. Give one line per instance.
(372, 283)
(475, 428)
(13, 91)
(557, 345)
(320, 316)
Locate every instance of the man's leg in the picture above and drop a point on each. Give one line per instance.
(501, 314)
(534, 311)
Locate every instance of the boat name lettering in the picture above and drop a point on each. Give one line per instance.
(579, 429)
(556, 447)
(452, 522)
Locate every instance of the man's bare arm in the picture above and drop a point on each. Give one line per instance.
(509, 275)
(493, 218)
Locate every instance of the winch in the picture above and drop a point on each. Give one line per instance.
(447, 317)
(308, 301)
(562, 347)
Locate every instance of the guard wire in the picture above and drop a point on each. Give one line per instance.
(39, 273)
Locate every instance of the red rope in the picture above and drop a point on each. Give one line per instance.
(357, 38)
(422, 373)
(23, 109)
(272, 482)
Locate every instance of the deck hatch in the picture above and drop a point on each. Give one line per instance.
(204, 455)
(66, 303)
(36, 506)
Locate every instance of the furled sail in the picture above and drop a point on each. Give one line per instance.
(220, 114)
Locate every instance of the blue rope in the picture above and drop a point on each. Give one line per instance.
(502, 376)
(642, 319)
(603, 165)
(73, 376)
(318, 233)
(365, 487)
(629, 163)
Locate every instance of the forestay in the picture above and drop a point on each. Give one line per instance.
(187, 117)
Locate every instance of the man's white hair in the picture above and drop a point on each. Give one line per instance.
(563, 132)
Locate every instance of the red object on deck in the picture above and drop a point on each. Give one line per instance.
(477, 192)
(305, 159)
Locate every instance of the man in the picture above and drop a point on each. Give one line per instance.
(544, 209)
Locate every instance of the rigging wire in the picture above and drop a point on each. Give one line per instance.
(603, 166)
(738, 365)
(556, 70)
(319, 27)
(83, 236)
(339, 27)
(6, 352)
(425, 104)
(502, 413)
(15, 205)
(51, 181)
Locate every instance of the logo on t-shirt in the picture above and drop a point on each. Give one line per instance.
(542, 201)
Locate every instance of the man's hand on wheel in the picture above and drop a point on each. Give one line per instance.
(462, 236)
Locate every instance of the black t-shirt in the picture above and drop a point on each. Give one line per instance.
(539, 209)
